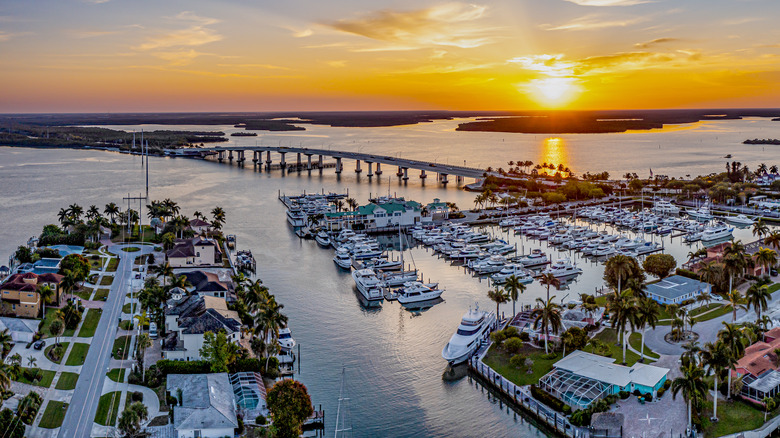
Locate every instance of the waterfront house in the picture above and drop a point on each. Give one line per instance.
(197, 251)
(187, 319)
(205, 405)
(209, 284)
(21, 330)
(676, 289)
(199, 226)
(380, 214)
(715, 254)
(581, 378)
(758, 368)
(19, 293)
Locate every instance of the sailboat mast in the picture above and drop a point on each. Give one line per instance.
(147, 169)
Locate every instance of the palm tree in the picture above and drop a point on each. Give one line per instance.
(218, 215)
(47, 294)
(647, 313)
(773, 239)
(691, 352)
(621, 267)
(717, 358)
(5, 375)
(64, 217)
(566, 339)
(142, 343)
(548, 315)
(622, 314)
(93, 212)
(111, 211)
(692, 386)
(75, 211)
(758, 298)
(549, 280)
(166, 271)
(31, 361)
(56, 328)
(766, 258)
(69, 282)
(736, 301)
(5, 342)
(760, 228)
(735, 260)
(498, 296)
(270, 318)
(514, 287)
(352, 203)
(735, 340)
(704, 298)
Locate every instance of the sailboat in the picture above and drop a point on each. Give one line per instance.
(343, 422)
(398, 278)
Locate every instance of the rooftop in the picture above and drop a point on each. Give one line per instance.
(676, 286)
(605, 370)
(207, 401)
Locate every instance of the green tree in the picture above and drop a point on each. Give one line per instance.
(77, 264)
(498, 296)
(218, 218)
(23, 254)
(290, 405)
(218, 351)
(513, 345)
(692, 386)
(717, 358)
(736, 301)
(758, 298)
(736, 341)
(659, 265)
(766, 258)
(548, 280)
(47, 294)
(623, 312)
(56, 328)
(111, 210)
(514, 288)
(11, 425)
(574, 338)
(619, 269)
(70, 315)
(548, 315)
(143, 341)
(647, 313)
(131, 418)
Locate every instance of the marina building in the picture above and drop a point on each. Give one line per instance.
(581, 378)
(676, 289)
(379, 214)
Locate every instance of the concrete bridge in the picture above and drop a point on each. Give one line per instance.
(373, 162)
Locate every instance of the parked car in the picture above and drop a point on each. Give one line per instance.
(40, 344)
(153, 330)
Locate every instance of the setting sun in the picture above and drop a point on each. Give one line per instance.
(553, 92)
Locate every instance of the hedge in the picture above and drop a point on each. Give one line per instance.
(548, 399)
(167, 366)
(686, 273)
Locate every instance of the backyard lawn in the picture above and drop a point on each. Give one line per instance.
(635, 340)
(91, 320)
(67, 381)
(734, 416)
(77, 354)
(46, 378)
(107, 408)
(499, 361)
(609, 336)
(53, 415)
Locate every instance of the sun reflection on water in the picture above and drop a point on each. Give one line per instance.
(554, 152)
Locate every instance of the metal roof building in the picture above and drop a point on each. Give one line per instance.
(676, 289)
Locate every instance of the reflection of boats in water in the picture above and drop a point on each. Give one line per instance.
(422, 306)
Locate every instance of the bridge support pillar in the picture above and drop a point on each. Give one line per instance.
(283, 163)
(422, 174)
(370, 169)
(230, 156)
(241, 157)
(308, 165)
(221, 156)
(378, 169)
(400, 172)
(357, 166)
(254, 157)
(338, 165)
(459, 179)
(299, 162)
(268, 160)
(320, 164)
(406, 174)
(443, 178)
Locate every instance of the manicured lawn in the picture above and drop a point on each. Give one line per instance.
(707, 308)
(53, 415)
(45, 382)
(126, 324)
(112, 264)
(77, 354)
(50, 347)
(774, 288)
(131, 249)
(128, 308)
(84, 293)
(108, 406)
(121, 343)
(635, 340)
(733, 417)
(100, 295)
(50, 316)
(67, 381)
(106, 280)
(499, 361)
(116, 374)
(609, 336)
(96, 264)
(91, 320)
(714, 314)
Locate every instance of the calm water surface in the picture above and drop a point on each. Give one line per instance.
(392, 356)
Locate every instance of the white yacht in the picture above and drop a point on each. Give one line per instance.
(666, 207)
(702, 213)
(517, 270)
(322, 239)
(536, 258)
(343, 259)
(395, 279)
(286, 341)
(562, 268)
(296, 217)
(740, 220)
(717, 232)
(368, 284)
(604, 250)
(415, 291)
(474, 327)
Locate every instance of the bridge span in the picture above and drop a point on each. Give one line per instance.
(239, 154)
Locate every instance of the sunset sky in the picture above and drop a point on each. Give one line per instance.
(259, 55)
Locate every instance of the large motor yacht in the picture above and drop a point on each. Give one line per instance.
(474, 327)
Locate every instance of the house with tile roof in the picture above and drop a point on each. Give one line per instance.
(758, 368)
(205, 405)
(197, 251)
(209, 284)
(187, 320)
(387, 213)
(199, 226)
(19, 293)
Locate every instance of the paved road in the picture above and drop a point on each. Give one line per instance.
(81, 412)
